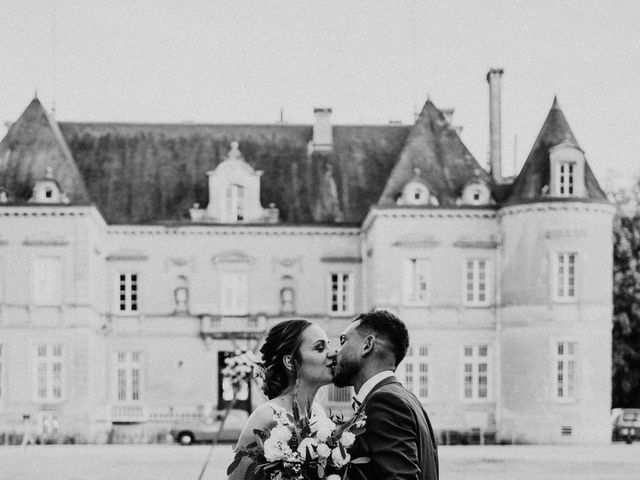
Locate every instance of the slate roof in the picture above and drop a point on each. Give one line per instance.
(142, 173)
(535, 174)
(33, 144)
(151, 173)
(434, 147)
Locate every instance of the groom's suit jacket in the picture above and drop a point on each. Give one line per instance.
(398, 437)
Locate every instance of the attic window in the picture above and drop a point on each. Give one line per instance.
(565, 173)
(567, 166)
(414, 193)
(476, 193)
(48, 193)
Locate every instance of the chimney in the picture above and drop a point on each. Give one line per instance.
(495, 124)
(322, 130)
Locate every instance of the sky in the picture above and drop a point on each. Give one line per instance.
(372, 61)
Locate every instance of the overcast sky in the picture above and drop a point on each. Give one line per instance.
(372, 61)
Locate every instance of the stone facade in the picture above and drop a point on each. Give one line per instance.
(505, 287)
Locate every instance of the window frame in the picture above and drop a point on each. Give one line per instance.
(488, 272)
(235, 203)
(475, 361)
(556, 280)
(416, 362)
(49, 360)
(128, 292)
(411, 268)
(566, 180)
(555, 359)
(129, 364)
(3, 370)
(240, 292)
(348, 308)
(51, 298)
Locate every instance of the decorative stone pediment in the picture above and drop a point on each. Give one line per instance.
(566, 233)
(233, 257)
(466, 242)
(180, 263)
(127, 255)
(286, 265)
(342, 259)
(423, 241)
(46, 238)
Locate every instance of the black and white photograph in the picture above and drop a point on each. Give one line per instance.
(319, 240)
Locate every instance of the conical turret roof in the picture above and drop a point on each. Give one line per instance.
(34, 144)
(529, 186)
(434, 147)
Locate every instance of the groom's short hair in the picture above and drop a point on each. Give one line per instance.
(388, 327)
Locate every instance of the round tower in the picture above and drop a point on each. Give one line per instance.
(555, 289)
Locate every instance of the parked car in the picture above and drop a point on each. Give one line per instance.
(625, 424)
(205, 429)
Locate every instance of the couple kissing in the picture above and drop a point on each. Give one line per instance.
(390, 435)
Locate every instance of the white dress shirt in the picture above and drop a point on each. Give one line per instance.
(369, 384)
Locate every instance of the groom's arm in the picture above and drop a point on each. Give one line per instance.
(392, 439)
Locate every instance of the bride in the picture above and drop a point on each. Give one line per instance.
(296, 361)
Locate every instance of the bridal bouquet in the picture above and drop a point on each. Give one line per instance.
(304, 447)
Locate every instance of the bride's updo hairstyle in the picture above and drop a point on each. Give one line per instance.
(283, 339)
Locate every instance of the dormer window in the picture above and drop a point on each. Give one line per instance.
(564, 174)
(415, 193)
(234, 193)
(476, 192)
(234, 203)
(47, 190)
(567, 171)
(48, 193)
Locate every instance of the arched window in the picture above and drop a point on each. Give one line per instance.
(287, 295)
(181, 295)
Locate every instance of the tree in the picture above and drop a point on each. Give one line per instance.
(626, 311)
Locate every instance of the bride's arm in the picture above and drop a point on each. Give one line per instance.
(261, 418)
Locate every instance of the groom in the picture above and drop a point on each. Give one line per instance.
(398, 438)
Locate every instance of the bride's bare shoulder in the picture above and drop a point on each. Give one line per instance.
(261, 418)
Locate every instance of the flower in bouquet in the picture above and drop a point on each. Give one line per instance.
(305, 445)
(238, 367)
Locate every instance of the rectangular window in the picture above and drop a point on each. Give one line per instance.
(1, 280)
(47, 280)
(234, 206)
(340, 395)
(2, 369)
(565, 370)
(476, 372)
(476, 277)
(235, 293)
(565, 175)
(416, 272)
(341, 293)
(415, 367)
(565, 276)
(128, 376)
(49, 372)
(128, 292)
